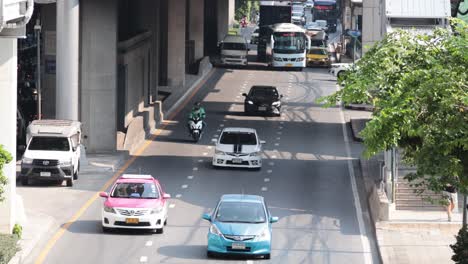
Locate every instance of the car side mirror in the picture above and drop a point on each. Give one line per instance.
(103, 194)
(22, 148)
(166, 196)
(207, 217)
(244, 94)
(273, 219)
(262, 142)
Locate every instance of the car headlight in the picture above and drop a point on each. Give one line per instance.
(214, 230)
(109, 209)
(277, 103)
(264, 235)
(277, 59)
(299, 59)
(65, 162)
(250, 102)
(156, 210)
(27, 161)
(254, 154)
(219, 152)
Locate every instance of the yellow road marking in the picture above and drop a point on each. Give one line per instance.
(51, 243)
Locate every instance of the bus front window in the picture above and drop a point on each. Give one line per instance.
(289, 42)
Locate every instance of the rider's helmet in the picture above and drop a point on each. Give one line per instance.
(197, 106)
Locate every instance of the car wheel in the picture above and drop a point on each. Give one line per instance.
(267, 256)
(24, 181)
(210, 254)
(70, 182)
(339, 74)
(165, 222)
(106, 229)
(75, 175)
(159, 230)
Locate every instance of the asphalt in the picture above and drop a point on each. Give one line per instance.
(305, 180)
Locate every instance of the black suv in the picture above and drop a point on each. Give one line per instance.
(262, 100)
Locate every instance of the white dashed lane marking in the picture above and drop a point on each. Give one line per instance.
(221, 125)
(204, 154)
(190, 177)
(149, 243)
(277, 144)
(143, 259)
(279, 132)
(209, 147)
(269, 171)
(200, 160)
(273, 157)
(264, 189)
(271, 163)
(185, 186)
(171, 205)
(266, 180)
(195, 169)
(278, 138)
(178, 195)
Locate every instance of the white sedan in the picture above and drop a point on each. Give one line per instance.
(337, 69)
(238, 147)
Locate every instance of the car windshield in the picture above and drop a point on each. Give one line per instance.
(234, 46)
(241, 212)
(296, 14)
(135, 190)
(264, 93)
(49, 144)
(289, 42)
(318, 51)
(235, 138)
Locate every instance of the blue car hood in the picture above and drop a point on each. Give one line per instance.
(240, 229)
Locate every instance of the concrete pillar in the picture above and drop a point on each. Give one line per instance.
(196, 26)
(223, 18)
(8, 83)
(67, 59)
(373, 22)
(176, 43)
(99, 74)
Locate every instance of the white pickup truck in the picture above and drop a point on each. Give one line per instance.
(52, 152)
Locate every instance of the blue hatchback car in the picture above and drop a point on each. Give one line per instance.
(240, 224)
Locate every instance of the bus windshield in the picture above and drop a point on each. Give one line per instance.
(289, 42)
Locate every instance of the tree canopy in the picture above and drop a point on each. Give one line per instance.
(418, 87)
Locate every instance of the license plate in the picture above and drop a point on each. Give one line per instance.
(262, 108)
(131, 220)
(239, 246)
(289, 65)
(236, 160)
(45, 173)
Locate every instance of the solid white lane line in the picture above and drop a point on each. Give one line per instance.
(366, 248)
(149, 243)
(178, 195)
(185, 186)
(143, 259)
(264, 189)
(195, 169)
(171, 205)
(190, 177)
(266, 180)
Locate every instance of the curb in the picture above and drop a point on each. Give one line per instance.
(362, 107)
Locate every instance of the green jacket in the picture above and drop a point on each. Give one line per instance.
(197, 113)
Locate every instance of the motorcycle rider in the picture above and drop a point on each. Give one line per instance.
(197, 112)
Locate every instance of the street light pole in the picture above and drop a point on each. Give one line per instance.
(354, 49)
(464, 211)
(37, 29)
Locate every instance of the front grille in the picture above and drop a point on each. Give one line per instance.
(238, 154)
(239, 238)
(52, 171)
(45, 162)
(229, 248)
(122, 223)
(131, 212)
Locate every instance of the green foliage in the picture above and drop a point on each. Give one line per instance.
(245, 8)
(460, 248)
(5, 157)
(18, 230)
(418, 87)
(8, 247)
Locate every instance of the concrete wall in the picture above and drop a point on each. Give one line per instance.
(197, 27)
(99, 73)
(8, 92)
(372, 21)
(176, 43)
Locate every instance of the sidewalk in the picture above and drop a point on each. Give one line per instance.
(410, 236)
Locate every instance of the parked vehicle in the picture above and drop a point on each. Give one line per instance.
(52, 152)
(238, 147)
(240, 224)
(135, 202)
(262, 100)
(254, 36)
(338, 69)
(234, 50)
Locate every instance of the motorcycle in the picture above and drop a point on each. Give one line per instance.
(196, 128)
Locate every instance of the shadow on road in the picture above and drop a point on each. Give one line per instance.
(196, 252)
(95, 227)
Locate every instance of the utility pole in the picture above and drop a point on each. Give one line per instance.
(37, 29)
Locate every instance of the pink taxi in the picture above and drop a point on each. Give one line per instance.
(135, 201)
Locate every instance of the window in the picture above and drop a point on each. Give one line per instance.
(135, 190)
(241, 212)
(236, 138)
(234, 46)
(49, 144)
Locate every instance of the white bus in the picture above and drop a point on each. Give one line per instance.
(288, 46)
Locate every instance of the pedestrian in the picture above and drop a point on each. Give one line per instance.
(449, 194)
